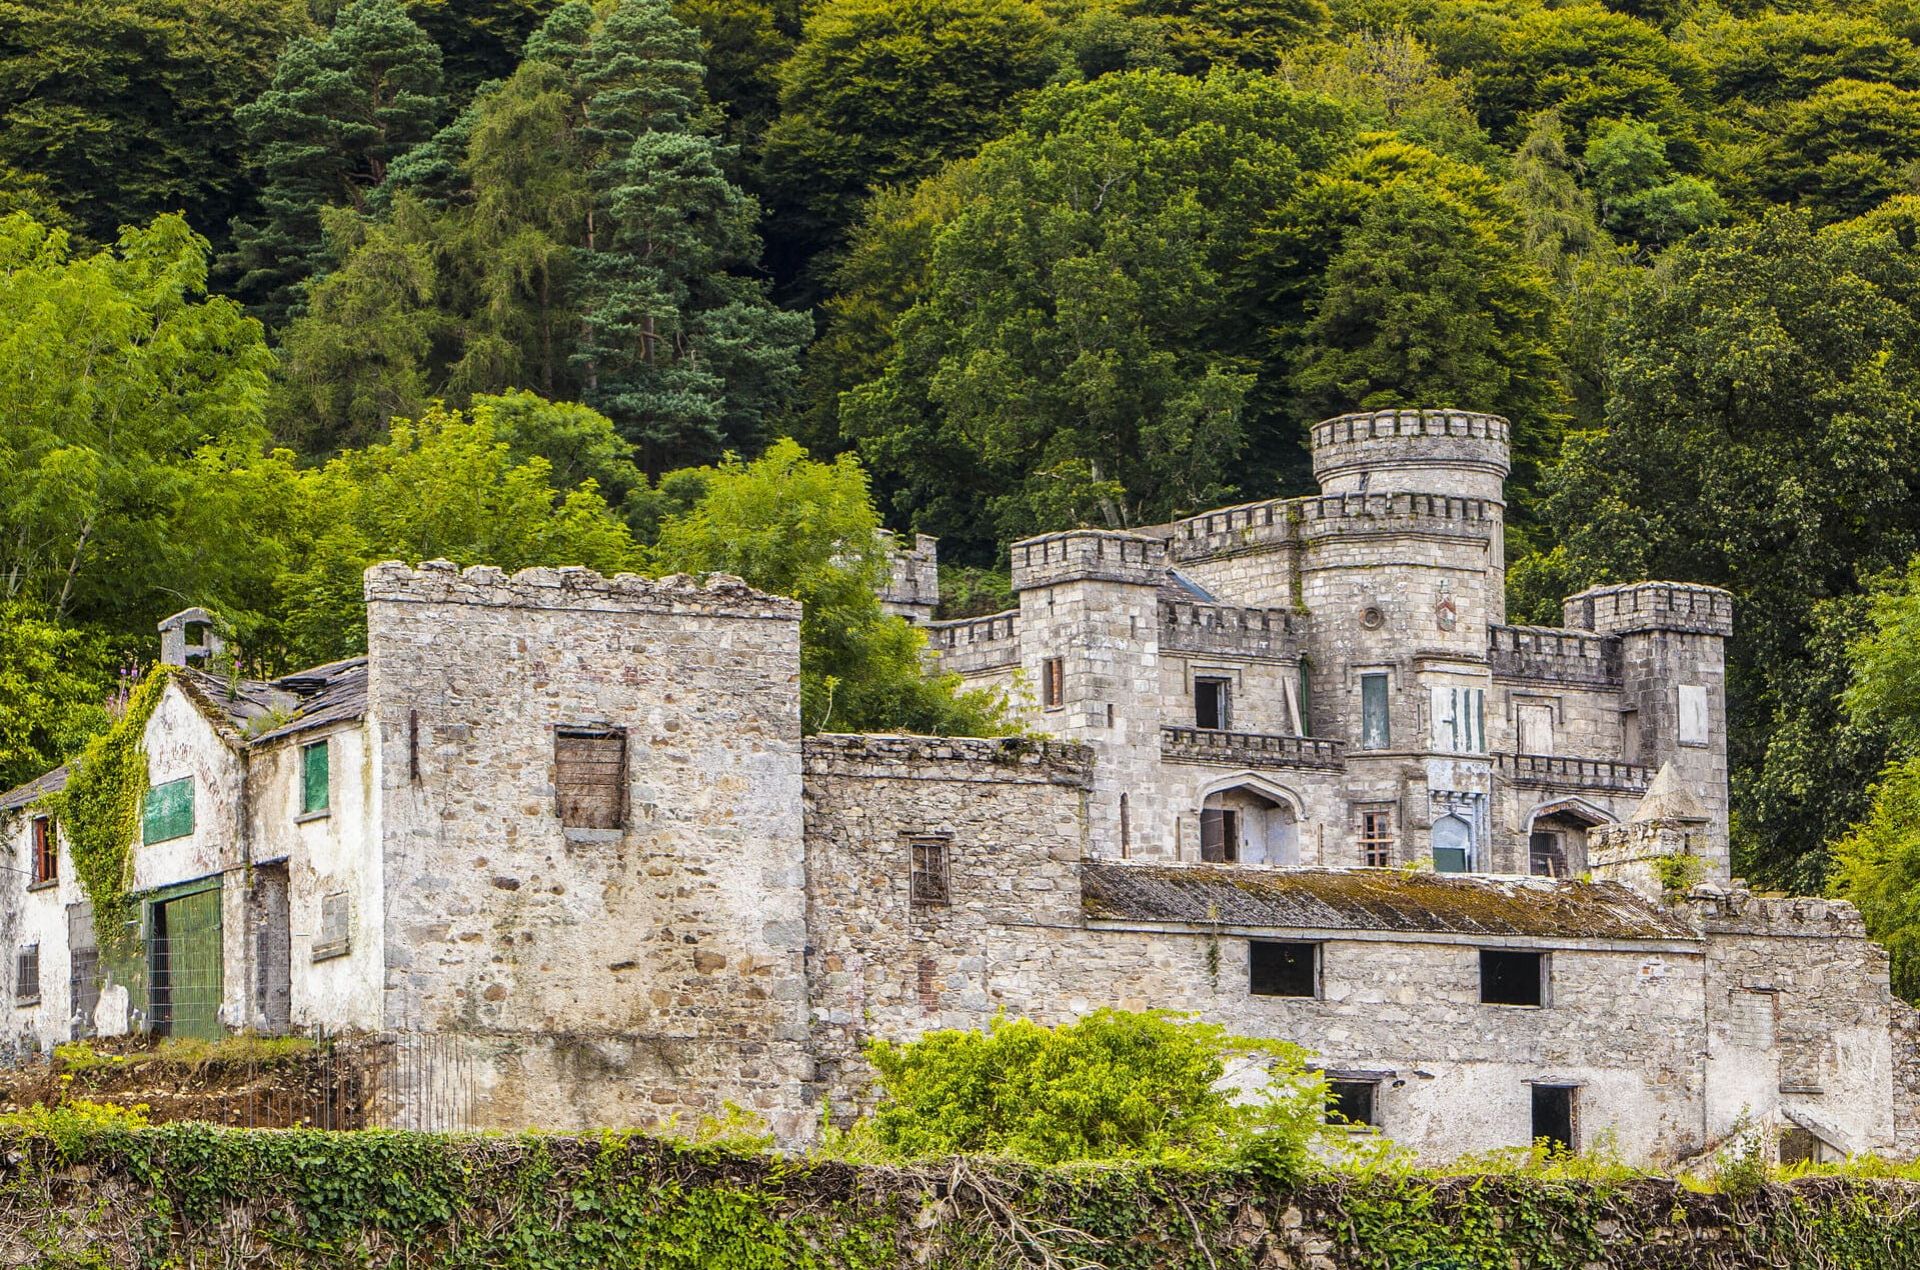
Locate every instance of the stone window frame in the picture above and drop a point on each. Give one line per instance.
(309, 809)
(929, 870)
(1372, 1084)
(1361, 673)
(592, 732)
(1544, 993)
(1223, 711)
(1318, 952)
(1053, 683)
(1557, 721)
(1391, 840)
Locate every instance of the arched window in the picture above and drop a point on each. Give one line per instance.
(1452, 845)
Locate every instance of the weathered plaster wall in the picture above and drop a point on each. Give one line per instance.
(602, 977)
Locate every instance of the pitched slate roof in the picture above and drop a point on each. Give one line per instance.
(333, 693)
(34, 790)
(1373, 900)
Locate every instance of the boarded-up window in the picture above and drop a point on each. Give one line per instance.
(46, 854)
(590, 777)
(1374, 732)
(1693, 715)
(1536, 729)
(1452, 845)
(26, 974)
(1053, 674)
(1219, 835)
(335, 938)
(316, 769)
(1459, 719)
(168, 811)
(929, 871)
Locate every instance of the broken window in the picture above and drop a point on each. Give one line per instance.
(1375, 734)
(26, 974)
(1376, 837)
(1352, 1102)
(1546, 854)
(1536, 729)
(1053, 675)
(928, 867)
(1512, 978)
(590, 777)
(46, 851)
(316, 771)
(335, 938)
(1283, 969)
(1210, 703)
(1553, 1116)
(1219, 835)
(167, 812)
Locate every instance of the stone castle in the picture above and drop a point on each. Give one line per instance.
(559, 838)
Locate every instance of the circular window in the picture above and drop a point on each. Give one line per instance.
(1372, 618)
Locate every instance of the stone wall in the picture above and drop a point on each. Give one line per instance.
(601, 976)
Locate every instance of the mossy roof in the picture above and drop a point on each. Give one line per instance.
(1374, 900)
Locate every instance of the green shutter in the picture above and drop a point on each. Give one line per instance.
(314, 785)
(168, 811)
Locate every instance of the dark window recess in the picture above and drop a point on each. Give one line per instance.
(1797, 1146)
(1053, 672)
(590, 777)
(26, 974)
(1283, 970)
(1210, 704)
(1546, 858)
(1219, 835)
(1512, 978)
(1553, 1115)
(46, 852)
(929, 871)
(1351, 1101)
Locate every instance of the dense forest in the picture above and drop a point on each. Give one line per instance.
(290, 286)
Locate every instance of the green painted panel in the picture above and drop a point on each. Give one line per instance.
(184, 966)
(168, 811)
(315, 770)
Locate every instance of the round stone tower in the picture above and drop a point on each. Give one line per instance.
(1414, 451)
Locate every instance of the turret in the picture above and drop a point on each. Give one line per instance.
(1673, 692)
(1417, 451)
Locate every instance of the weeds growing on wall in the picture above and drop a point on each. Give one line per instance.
(99, 813)
(84, 1187)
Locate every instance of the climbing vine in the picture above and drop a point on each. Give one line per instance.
(99, 813)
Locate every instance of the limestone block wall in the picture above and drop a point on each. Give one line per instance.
(1799, 1019)
(1012, 818)
(595, 976)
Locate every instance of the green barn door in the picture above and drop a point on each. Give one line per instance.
(184, 979)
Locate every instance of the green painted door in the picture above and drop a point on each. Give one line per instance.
(184, 972)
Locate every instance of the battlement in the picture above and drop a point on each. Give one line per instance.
(573, 588)
(1554, 653)
(1632, 607)
(976, 643)
(1088, 554)
(1231, 631)
(1396, 449)
(1229, 531)
(1401, 512)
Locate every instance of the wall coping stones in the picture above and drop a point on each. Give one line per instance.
(1011, 759)
(573, 588)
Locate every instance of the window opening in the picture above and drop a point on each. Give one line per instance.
(1219, 835)
(1210, 703)
(83, 969)
(929, 871)
(1452, 845)
(46, 851)
(1553, 1115)
(1352, 1102)
(26, 974)
(1536, 729)
(1375, 734)
(1376, 839)
(1459, 720)
(590, 777)
(1512, 978)
(1546, 855)
(1126, 827)
(316, 769)
(1054, 682)
(1283, 969)
(336, 927)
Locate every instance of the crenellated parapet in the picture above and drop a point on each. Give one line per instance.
(1231, 631)
(1088, 555)
(1633, 607)
(1408, 449)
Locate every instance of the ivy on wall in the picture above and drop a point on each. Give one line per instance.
(99, 814)
(90, 1188)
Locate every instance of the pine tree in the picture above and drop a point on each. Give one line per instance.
(340, 110)
(687, 355)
